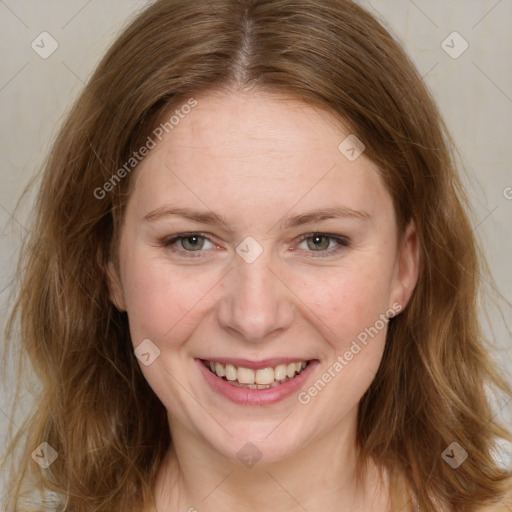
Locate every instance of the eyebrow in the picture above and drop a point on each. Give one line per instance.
(209, 217)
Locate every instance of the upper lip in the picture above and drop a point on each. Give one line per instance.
(255, 365)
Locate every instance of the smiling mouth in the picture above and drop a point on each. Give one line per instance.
(263, 378)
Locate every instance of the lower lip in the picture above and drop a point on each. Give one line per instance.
(244, 396)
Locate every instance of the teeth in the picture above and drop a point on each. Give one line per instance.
(219, 369)
(280, 372)
(246, 376)
(257, 379)
(264, 376)
(290, 370)
(230, 372)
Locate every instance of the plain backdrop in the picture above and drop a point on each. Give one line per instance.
(473, 89)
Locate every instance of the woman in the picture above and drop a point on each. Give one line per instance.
(251, 282)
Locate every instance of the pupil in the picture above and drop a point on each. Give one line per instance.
(317, 242)
(192, 242)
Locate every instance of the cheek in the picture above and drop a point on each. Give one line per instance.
(349, 299)
(352, 303)
(160, 302)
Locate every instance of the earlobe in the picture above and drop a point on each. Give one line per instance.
(115, 288)
(407, 266)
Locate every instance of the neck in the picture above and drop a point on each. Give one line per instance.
(320, 476)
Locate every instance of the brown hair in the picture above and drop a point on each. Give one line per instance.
(93, 403)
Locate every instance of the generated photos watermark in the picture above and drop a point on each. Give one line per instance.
(344, 359)
(137, 156)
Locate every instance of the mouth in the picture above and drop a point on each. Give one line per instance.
(256, 383)
(256, 378)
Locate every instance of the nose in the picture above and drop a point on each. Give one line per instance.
(255, 303)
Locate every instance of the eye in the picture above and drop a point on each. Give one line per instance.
(188, 243)
(324, 244)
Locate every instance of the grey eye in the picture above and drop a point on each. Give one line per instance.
(192, 243)
(318, 242)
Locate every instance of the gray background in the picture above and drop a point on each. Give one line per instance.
(474, 92)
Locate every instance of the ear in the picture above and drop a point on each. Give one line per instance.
(115, 288)
(406, 267)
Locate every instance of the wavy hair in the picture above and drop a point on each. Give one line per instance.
(93, 403)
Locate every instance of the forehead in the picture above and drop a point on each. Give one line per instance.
(254, 149)
(247, 128)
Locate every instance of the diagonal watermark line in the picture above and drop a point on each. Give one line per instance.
(496, 413)
(98, 99)
(492, 81)
(8, 285)
(487, 13)
(506, 505)
(84, 83)
(407, 507)
(291, 496)
(13, 77)
(204, 295)
(279, 424)
(166, 166)
(14, 423)
(301, 198)
(494, 288)
(490, 284)
(438, 270)
(424, 13)
(430, 70)
(86, 293)
(13, 218)
(13, 13)
(485, 218)
(193, 398)
(26, 231)
(334, 334)
(217, 486)
(76, 14)
(423, 76)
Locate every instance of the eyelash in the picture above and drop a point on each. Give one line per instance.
(170, 243)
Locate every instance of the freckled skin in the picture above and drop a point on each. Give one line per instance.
(257, 160)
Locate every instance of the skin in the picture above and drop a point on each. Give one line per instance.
(258, 160)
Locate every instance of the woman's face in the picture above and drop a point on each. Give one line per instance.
(289, 254)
